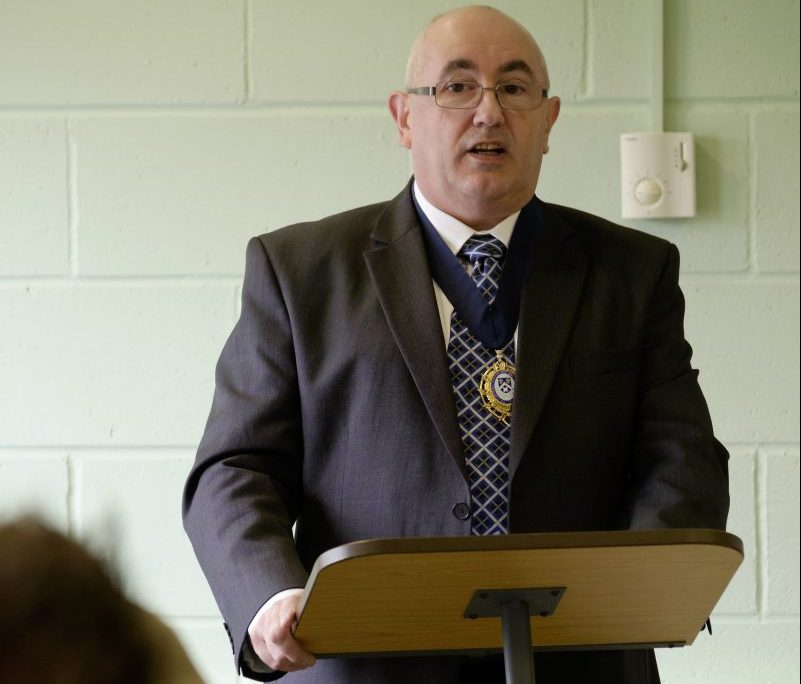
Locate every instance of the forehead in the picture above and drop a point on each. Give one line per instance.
(486, 43)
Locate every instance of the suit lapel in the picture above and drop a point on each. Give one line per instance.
(548, 306)
(399, 270)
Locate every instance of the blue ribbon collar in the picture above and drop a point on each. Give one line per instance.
(493, 324)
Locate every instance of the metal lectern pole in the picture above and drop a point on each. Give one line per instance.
(515, 608)
(517, 657)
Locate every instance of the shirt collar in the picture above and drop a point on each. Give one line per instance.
(454, 232)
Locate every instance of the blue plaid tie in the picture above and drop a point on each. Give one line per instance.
(485, 438)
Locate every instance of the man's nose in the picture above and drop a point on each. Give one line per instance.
(489, 111)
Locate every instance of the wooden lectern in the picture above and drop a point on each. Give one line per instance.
(576, 590)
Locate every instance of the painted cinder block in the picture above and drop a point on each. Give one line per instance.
(117, 52)
(34, 229)
(181, 195)
(731, 49)
(736, 653)
(329, 52)
(115, 364)
(745, 336)
(776, 145)
(782, 524)
(35, 482)
(130, 509)
(207, 646)
(619, 36)
(740, 597)
(345, 53)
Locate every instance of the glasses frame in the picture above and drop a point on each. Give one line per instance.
(431, 91)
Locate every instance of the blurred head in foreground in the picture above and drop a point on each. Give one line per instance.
(62, 618)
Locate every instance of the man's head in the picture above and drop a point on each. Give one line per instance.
(479, 164)
(62, 616)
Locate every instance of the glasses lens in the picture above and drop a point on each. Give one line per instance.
(518, 96)
(467, 94)
(458, 94)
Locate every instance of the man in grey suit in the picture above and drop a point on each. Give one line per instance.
(342, 404)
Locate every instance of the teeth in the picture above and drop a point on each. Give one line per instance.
(487, 147)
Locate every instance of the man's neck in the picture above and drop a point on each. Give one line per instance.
(454, 231)
(477, 220)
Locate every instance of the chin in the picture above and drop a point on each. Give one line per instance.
(494, 190)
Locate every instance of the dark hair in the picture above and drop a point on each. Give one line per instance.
(62, 618)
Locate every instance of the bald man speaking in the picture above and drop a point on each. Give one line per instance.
(462, 359)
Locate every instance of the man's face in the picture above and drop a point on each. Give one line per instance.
(481, 164)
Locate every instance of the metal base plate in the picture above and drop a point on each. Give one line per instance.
(541, 601)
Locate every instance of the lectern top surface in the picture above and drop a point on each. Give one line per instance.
(628, 588)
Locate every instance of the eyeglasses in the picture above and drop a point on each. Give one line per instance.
(468, 94)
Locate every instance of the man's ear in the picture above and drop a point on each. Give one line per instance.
(398, 104)
(554, 105)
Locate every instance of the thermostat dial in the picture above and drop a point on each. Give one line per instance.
(648, 192)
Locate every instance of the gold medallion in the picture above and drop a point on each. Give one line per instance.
(497, 388)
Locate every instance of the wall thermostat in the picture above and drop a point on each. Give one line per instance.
(657, 175)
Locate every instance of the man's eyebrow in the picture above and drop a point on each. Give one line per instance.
(466, 64)
(516, 65)
(457, 65)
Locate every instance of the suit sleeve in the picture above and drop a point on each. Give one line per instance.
(678, 471)
(242, 495)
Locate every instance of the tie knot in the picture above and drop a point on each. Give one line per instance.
(482, 247)
(486, 254)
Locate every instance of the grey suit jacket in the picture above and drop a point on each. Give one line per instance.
(334, 408)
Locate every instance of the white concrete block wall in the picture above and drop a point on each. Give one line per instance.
(728, 50)
(109, 363)
(35, 481)
(776, 243)
(180, 194)
(34, 209)
(142, 144)
(112, 52)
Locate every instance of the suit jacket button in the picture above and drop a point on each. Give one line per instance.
(461, 511)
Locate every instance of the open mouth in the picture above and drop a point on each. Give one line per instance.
(487, 150)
